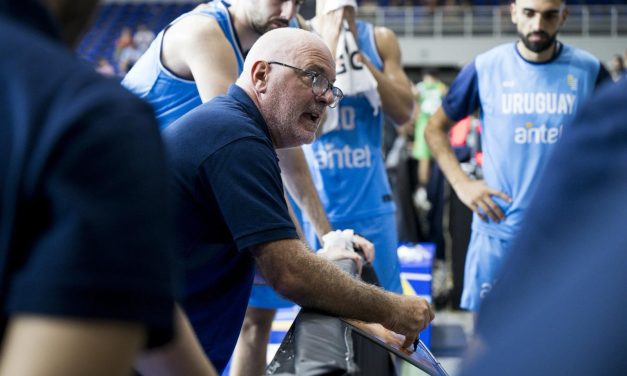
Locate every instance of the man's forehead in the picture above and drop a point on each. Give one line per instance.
(313, 58)
(321, 66)
(540, 5)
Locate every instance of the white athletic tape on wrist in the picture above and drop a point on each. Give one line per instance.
(338, 239)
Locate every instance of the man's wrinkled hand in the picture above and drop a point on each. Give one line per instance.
(394, 339)
(379, 331)
(409, 316)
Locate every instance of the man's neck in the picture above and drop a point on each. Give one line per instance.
(536, 57)
(245, 33)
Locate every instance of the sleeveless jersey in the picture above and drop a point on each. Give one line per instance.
(347, 163)
(172, 96)
(524, 107)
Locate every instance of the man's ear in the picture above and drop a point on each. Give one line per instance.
(259, 75)
(565, 14)
(513, 12)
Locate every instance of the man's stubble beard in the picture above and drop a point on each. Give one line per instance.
(538, 47)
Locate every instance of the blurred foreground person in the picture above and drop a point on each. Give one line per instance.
(82, 163)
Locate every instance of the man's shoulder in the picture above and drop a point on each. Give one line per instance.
(382, 35)
(214, 124)
(495, 59)
(206, 20)
(580, 55)
(204, 35)
(200, 22)
(222, 112)
(504, 49)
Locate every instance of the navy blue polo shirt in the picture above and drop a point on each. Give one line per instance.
(85, 215)
(230, 197)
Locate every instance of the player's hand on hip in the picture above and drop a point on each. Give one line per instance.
(476, 195)
(409, 316)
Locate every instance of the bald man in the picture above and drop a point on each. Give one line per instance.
(198, 55)
(232, 210)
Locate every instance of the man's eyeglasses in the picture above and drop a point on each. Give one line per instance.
(319, 84)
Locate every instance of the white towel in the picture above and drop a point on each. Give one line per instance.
(352, 77)
(342, 239)
(331, 5)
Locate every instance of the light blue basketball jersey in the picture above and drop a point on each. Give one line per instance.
(347, 163)
(172, 96)
(524, 107)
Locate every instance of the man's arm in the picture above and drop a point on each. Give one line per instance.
(195, 48)
(297, 179)
(392, 83)
(408, 128)
(473, 193)
(314, 282)
(40, 345)
(183, 356)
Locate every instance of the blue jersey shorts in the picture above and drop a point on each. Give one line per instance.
(483, 264)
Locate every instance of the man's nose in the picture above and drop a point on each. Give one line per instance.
(327, 97)
(537, 22)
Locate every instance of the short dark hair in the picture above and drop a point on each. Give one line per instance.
(514, 1)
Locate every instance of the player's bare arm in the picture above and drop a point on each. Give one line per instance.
(394, 87)
(309, 280)
(38, 345)
(475, 194)
(297, 178)
(195, 48)
(182, 356)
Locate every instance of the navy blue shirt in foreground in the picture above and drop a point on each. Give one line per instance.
(230, 197)
(85, 226)
(559, 307)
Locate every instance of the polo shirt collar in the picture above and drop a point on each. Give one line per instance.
(238, 94)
